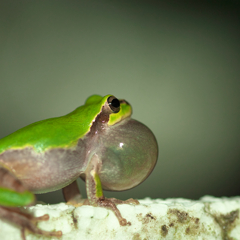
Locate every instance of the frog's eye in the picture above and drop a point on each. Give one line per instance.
(114, 104)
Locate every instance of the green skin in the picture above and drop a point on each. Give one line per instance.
(98, 142)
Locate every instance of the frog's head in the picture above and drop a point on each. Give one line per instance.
(126, 148)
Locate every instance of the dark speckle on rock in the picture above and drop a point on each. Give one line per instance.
(226, 222)
(187, 231)
(164, 230)
(178, 218)
(150, 216)
(181, 215)
(171, 224)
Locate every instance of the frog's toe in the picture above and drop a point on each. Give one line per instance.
(123, 222)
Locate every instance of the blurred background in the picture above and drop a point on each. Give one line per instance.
(176, 62)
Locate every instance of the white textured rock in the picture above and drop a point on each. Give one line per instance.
(209, 218)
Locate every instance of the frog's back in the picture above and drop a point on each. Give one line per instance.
(62, 131)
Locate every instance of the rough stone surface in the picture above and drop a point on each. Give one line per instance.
(207, 219)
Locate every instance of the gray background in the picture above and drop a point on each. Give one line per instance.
(177, 63)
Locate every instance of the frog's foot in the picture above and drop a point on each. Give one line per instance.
(76, 202)
(108, 203)
(72, 195)
(26, 221)
(129, 201)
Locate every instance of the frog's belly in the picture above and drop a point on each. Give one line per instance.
(45, 172)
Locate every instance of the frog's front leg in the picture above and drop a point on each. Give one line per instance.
(95, 193)
(13, 194)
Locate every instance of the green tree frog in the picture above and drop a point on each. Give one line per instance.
(98, 142)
